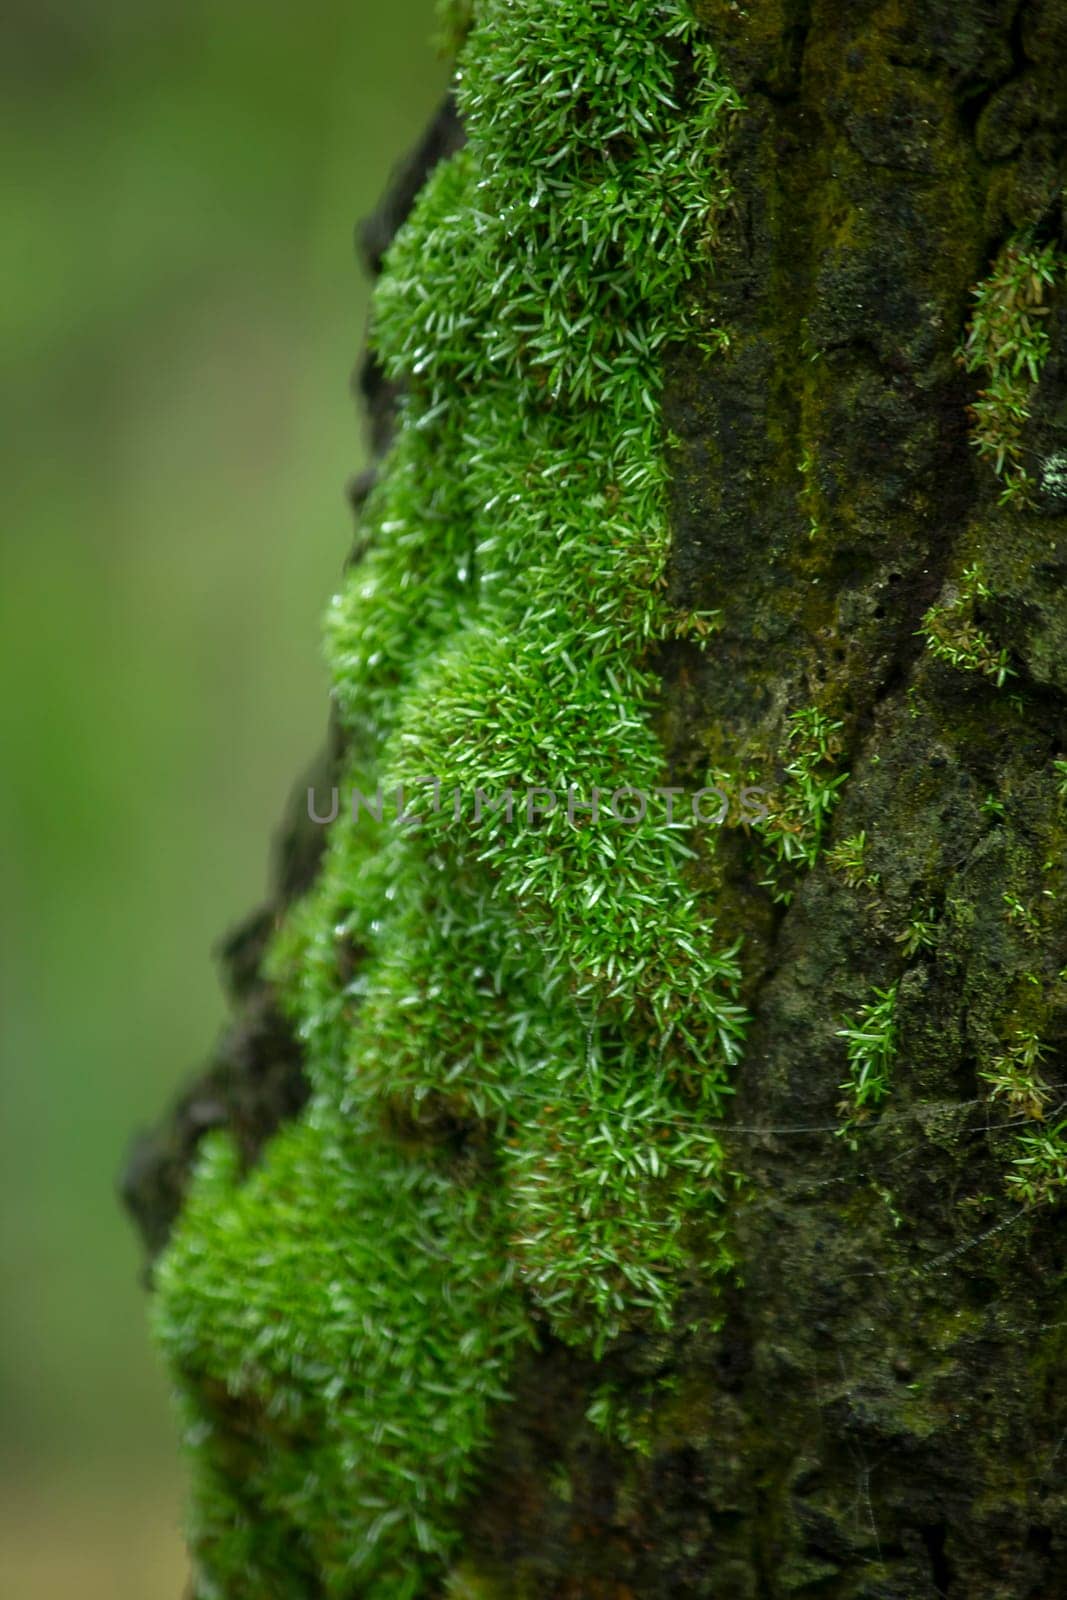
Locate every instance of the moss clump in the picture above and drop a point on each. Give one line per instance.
(1015, 1076)
(849, 858)
(630, 1417)
(952, 633)
(343, 1300)
(919, 932)
(1007, 344)
(792, 832)
(871, 1041)
(1038, 1172)
(518, 1029)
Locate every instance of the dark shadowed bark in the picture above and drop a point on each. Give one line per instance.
(882, 1411)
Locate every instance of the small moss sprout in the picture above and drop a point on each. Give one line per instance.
(848, 858)
(797, 816)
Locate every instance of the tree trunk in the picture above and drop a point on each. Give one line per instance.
(842, 1374)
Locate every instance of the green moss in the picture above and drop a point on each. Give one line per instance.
(871, 1040)
(849, 858)
(498, 633)
(343, 1300)
(798, 815)
(632, 1418)
(518, 1030)
(1015, 1075)
(953, 635)
(1007, 345)
(919, 933)
(1021, 916)
(1038, 1171)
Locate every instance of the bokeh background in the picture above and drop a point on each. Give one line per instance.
(180, 309)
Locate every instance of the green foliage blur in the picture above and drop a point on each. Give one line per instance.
(179, 315)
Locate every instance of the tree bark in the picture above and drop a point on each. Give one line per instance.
(876, 1404)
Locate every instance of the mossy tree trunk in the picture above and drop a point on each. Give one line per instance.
(875, 1404)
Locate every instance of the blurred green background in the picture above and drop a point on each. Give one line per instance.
(179, 314)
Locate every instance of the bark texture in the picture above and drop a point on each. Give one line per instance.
(882, 1411)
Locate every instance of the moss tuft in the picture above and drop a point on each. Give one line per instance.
(871, 1043)
(797, 818)
(952, 633)
(518, 1029)
(342, 1301)
(1007, 344)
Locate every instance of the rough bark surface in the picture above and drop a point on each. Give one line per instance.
(883, 1409)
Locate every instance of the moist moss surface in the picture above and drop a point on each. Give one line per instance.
(518, 1030)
